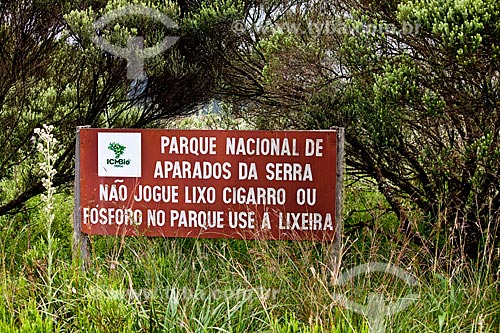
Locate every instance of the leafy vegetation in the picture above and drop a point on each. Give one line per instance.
(415, 84)
(52, 72)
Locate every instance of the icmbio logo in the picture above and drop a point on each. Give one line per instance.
(119, 154)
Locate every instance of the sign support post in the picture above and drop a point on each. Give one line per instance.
(80, 240)
(334, 257)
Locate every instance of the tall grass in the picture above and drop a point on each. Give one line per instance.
(184, 285)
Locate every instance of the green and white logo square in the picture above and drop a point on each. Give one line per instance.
(119, 154)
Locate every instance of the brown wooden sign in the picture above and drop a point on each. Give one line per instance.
(207, 184)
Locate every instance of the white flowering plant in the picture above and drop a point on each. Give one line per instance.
(47, 147)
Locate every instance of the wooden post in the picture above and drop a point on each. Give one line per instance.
(335, 256)
(80, 240)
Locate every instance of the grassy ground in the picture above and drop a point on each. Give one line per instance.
(185, 285)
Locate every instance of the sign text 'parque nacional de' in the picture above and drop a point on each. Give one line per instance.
(208, 184)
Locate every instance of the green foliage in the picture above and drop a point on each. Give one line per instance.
(415, 84)
(421, 113)
(463, 27)
(68, 80)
